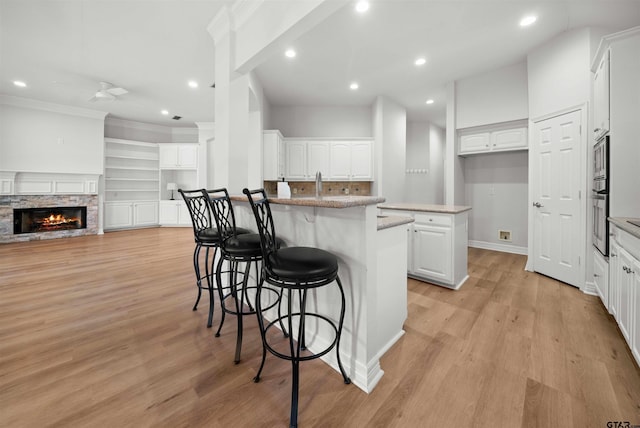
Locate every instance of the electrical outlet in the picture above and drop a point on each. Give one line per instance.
(346, 190)
(504, 235)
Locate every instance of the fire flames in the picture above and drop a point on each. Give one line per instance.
(58, 219)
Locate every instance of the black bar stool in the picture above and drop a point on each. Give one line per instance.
(236, 248)
(205, 235)
(294, 269)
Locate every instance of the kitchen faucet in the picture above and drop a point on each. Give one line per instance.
(318, 184)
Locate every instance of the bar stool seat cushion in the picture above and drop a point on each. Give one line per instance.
(303, 263)
(247, 245)
(210, 235)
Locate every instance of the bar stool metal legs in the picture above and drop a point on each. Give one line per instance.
(297, 342)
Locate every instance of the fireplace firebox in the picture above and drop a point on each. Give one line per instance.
(31, 220)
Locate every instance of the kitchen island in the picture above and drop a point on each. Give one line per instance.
(372, 256)
(437, 241)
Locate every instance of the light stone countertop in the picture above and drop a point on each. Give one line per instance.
(623, 223)
(446, 209)
(386, 222)
(322, 202)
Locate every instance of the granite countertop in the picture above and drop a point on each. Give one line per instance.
(623, 223)
(446, 209)
(323, 201)
(388, 221)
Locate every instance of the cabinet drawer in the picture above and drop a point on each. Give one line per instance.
(434, 219)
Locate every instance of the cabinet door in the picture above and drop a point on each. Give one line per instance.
(318, 158)
(625, 281)
(184, 217)
(601, 277)
(474, 143)
(635, 330)
(509, 139)
(145, 213)
(362, 160)
(168, 212)
(168, 156)
(340, 158)
(271, 156)
(432, 256)
(614, 280)
(188, 156)
(118, 214)
(296, 155)
(601, 97)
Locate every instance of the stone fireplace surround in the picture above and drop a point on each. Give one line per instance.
(40, 190)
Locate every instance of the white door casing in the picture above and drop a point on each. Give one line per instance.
(556, 210)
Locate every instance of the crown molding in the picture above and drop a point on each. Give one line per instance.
(52, 107)
(130, 124)
(206, 126)
(221, 25)
(242, 10)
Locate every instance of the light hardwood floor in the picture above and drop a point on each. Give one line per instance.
(98, 331)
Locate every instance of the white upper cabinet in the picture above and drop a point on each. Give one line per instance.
(493, 138)
(296, 160)
(337, 160)
(340, 160)
(179, 156)
(351, 160)
(362, 160)
(317, 158)
(509, 139)
(273, 156)
(475, 143)
(601, 97)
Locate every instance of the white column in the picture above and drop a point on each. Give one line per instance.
(453, 164)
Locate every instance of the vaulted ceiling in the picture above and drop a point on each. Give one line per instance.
(63, 50)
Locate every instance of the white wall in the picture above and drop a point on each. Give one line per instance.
(338, 122)
(559, 73)
(391, 143)
(425, 143)
(493, 97)
(497, 189)
(44, 137)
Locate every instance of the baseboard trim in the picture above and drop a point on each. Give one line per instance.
(505, 248)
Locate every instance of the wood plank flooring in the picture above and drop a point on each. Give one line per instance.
(98, 331)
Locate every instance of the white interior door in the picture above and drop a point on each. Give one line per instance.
(556, 197)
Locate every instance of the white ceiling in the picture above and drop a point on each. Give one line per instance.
(64, 48)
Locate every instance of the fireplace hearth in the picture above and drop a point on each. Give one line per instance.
(48, 219)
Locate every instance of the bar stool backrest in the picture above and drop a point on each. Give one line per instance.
(262, 212)
(199, 210)
(222, 213)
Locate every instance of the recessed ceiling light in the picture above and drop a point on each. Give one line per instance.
(354, 86)
(165, 112)
(290, 53)
(527, 20)
(193, 84)
(420, 61)
(429, 101)
(20, 83)
(362, 6)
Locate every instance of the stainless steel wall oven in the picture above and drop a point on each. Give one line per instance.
(600, 195)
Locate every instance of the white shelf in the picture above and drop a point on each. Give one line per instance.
(132, 168)
(148, 158)
(132, 190)
(131, 179)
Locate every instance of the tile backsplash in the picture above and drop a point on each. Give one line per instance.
(329, 188)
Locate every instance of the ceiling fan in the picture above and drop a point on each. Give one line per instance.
(108, 92)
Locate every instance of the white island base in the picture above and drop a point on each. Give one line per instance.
(372, 269)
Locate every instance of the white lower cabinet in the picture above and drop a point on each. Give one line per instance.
(432, 252)
(436, 246)
(118, 215)
(121, 215)
(174, 213)
(601, 276)
(635, 310)
(624, 286)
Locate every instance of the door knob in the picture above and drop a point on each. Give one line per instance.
(537, 204)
